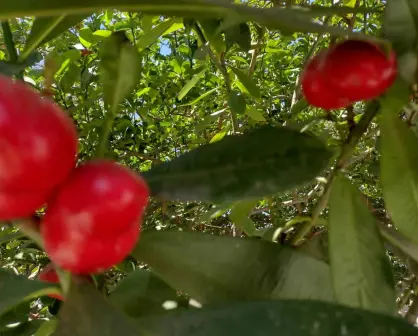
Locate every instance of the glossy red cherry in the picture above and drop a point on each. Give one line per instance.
(48, 274)
(20, 205)
(89, 254)
(359, 70)
(315, 87)
(38, 141)
(91, 213)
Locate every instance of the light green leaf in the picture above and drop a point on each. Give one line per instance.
(207, 93)
(155, 33)
(254, 114)
(47, 328)
(398, 165)
(248, 82)
(240, 213)
(218, 136)
(102, 33)
(360, 269)
(190, 84)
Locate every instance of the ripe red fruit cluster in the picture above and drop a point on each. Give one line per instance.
(350, 71)
(93, 211)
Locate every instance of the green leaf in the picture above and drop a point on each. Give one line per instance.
(44, 29)
(248, 82)
(398, 166)
(207, 93)
(239, 215)
(237, 102)
(47, 328)
(261, 162)
(254, 114)
(219, 269)
(361, 272)
(215, 212)
(190, 84)
(155, 33)
(213, 35)
(15, 289)
(141, 293)
(299, 106)
(120, 69)
(239, 34)
(284, 318)
(218, 136)
(399, 25)
(87, 312)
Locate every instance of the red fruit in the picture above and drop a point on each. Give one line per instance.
(48, 274)
(86, 52)
(20, 205)
(38, 144)
(88, 254)
(359, 70)
(90, 215)
(315, 87)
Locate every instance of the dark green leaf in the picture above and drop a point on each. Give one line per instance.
(15, 289)
(248, 82)
(361, 272)
(261, 162)
(282, 318)
(45, 29)
(239, 34)
(219, 269)
(87, 313)
(212, 34)
(141, 293)
(237, 102)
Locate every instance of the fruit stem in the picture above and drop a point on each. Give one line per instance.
(104, 135)
(347, 150)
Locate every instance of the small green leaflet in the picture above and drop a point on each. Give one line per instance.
(248, 83)
(190, 84)
(239, 215)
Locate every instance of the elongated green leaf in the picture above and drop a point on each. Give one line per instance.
(45, 29)
(15, 289)
(254, 114)
(239, 215)
(398, 167)
(284, 318)
(274, 18)
(399, 25)
(213, 35)
(219, 269)
(249, 84)
(190, 84)
(87, 312)
(141, 293)
(237, 102)
(120, 66)
(361, 272)
(203, 96)
(47, 328)
(154, 34)
(261, 162)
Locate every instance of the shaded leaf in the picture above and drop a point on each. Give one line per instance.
(190, 84)
(207, 93)
(220, 269)
(87, 313)
(45, 29)
(141, 293)
(239, 215)
(237, 102)
(239, 34)
(361, 271)
(211, 31)
(47, 328)
(284, 318)
(15, 289)
(254, 114)
(248, 82)
(258, 163)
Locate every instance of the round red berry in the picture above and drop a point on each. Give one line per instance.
(359, 70)
(49, 274)
(90, 215)
(15, 205)
(315, 87)
(38, 141)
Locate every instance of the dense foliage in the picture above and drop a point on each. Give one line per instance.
(268, 214)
